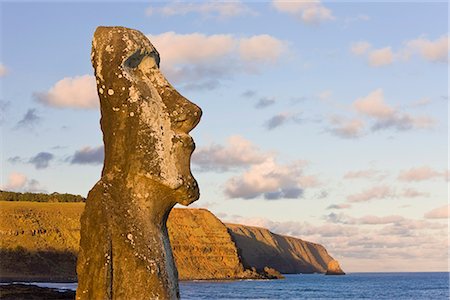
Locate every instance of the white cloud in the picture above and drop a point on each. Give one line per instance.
(442, 212)
(373, 105)
(261, 48)
(71, 92)
(420, 174)
(381, 57)
(218, 10)
(3, 70)
(376, 192)
(199, 58)
(435, 51)
(237, 153)
(309, 12)
(360, 48)
(430, 50)
(18, 182)
(269, 179)
(385, 116)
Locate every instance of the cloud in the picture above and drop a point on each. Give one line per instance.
(412, 193)
(420, 174)
(15, 181)
(339, 206)
(360, 48)
(261, 48)
(403, 122)
(325, 95)
(3, 70)
(421, 102)
(442, 212)
(4, 106)
(385, 116)
(286, 193)
(434, 51)
(364, 174)
(29, 120)
(88, 156)
(248, 94)
(41, 160)
(71, 92)
(394, 242)
(15, 159)
(381, 57)
(264, 102)
(18, 182)
(373, 105)
(309, 12)
(281, 119)
(268, 179)
(237, 153)
(344, 128)
(201, 59)
(365, 220)
(216, 10)
(430, 50)
(376, 192)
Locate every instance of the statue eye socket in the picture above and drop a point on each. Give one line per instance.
(136, 58)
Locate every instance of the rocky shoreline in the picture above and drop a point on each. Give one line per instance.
(33, 292)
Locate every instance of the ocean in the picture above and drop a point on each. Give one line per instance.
(392, 286)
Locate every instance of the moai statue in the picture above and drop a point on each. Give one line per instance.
(125, 251)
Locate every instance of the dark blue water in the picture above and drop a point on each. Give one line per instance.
(392, 286)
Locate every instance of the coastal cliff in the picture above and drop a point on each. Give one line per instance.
(259, 247)
(39, 241)
(203, 248)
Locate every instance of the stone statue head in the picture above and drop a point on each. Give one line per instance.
(147, 124)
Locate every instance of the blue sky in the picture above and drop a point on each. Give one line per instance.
(322, 120)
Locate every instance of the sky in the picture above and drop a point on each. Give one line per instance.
(326, 121)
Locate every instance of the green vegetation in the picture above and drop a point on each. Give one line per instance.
(40, 197)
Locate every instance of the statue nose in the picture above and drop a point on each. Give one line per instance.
(187, 116)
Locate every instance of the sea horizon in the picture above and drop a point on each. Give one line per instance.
(360, 285)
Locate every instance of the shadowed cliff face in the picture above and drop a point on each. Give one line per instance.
(39, 241)
(125, 251)
(259, 248)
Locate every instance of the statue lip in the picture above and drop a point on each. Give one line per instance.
(187, 141)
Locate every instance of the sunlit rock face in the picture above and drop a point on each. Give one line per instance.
(334, 268)
(125, 251)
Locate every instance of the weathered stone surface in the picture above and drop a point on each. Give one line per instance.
(125, 251)
(334, 268)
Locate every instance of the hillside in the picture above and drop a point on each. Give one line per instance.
(259, 248)
(39, 241)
